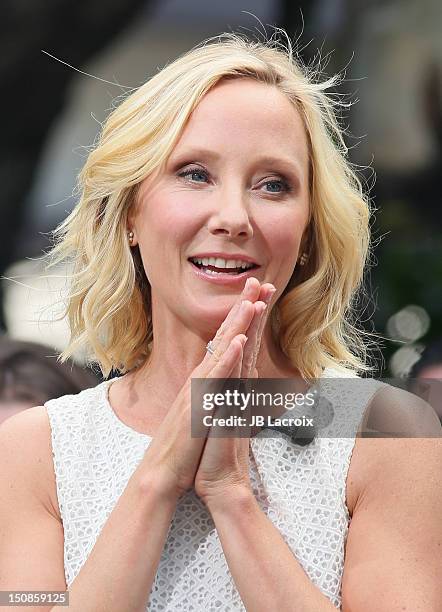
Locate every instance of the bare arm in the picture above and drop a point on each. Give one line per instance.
(31, 535)
(119, 573)
(394, 545)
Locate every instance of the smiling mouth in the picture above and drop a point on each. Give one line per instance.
(208, 269)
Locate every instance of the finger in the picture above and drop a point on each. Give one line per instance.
(269, 297)
(250, 292)
(236, 370)
(252, 346)
(252, 289)
(255, 331)
(225, 411)
(238, 325)
(230, 358)
(267, 292)
(222, 369)
(237, 321)
(226, 325)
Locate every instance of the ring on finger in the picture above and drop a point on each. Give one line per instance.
(212, 350)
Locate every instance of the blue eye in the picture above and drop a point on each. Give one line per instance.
(192, 171)
(283, 184)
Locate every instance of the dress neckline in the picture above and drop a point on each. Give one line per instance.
(105, 386)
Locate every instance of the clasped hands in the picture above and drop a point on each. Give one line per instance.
(223, 470)
(217, 468)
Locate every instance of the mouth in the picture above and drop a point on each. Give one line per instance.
(222, 268)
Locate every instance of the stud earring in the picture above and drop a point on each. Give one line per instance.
(130, 235)
(303, 259)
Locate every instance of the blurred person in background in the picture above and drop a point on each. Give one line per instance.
(29, 376)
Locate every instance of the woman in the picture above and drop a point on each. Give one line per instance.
(229, 156)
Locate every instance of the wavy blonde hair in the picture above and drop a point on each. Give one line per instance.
(109, 303)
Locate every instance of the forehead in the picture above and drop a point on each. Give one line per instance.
(244, 117)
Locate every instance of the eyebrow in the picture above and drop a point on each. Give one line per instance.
(287, 163)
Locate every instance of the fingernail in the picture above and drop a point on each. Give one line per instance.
(270, 296)
(246, 286)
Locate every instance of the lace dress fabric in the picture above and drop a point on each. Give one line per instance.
(301, 489)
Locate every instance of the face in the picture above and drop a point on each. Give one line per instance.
(235, 187)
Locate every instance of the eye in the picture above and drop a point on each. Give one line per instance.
(281, 185)
(276, 186)
(191, 172)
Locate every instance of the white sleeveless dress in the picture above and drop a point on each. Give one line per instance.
(300, 488)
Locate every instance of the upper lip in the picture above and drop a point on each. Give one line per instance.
(236, 256)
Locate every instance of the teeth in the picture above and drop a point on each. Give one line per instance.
(218, 262)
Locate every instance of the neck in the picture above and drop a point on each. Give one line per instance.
(175, 355)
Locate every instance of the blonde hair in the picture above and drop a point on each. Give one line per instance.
(109, 304)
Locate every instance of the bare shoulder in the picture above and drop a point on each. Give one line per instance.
(403, 435)
(394, 495)
(31, 532)
(26, 448)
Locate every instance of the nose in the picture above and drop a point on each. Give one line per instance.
(231, 216)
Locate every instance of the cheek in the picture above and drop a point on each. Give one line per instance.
(165, 225)
(283, 234)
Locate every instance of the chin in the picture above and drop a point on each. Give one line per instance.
(208, 320)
